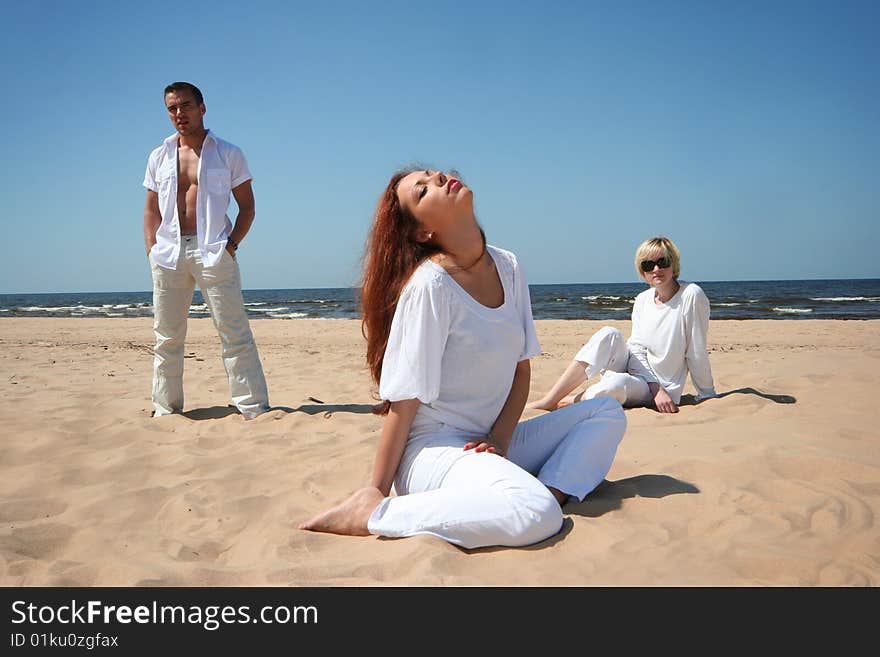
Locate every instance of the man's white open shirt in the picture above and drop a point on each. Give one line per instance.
(222, 167)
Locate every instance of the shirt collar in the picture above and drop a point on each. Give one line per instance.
(171, 142)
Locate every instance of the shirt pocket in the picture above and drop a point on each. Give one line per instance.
(165, 186)
(219, 181)
(164, 177)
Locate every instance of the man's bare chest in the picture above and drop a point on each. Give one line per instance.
(187, 168)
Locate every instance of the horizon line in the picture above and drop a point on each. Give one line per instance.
(350, 287)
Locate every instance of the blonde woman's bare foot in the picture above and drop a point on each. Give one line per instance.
(569, 400)
(542, 404)
(348, 518)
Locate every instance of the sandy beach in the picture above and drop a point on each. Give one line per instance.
(775, 483)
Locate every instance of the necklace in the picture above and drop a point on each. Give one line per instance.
(659, 299)
(457, 269)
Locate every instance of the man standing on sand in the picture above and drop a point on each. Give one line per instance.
(190, 239)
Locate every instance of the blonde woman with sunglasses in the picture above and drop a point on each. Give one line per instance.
(670, 321)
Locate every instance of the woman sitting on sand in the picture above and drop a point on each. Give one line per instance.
(449, 333)
(669, 325)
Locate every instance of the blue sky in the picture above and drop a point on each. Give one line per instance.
(745, 131)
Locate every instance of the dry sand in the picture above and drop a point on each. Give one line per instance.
(775, 483)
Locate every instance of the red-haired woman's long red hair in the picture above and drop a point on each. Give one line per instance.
(391, 256)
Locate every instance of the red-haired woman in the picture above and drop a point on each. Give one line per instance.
(449, 331)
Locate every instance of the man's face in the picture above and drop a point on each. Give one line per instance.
(185, 113)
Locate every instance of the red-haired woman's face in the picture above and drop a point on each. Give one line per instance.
(435, 199)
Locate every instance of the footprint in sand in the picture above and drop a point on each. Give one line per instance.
(30, 509)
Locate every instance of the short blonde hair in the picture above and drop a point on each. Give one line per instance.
(656, 247)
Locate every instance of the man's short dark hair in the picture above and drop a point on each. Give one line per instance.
(174, 87)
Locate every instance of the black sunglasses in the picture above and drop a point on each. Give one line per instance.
(648, 265)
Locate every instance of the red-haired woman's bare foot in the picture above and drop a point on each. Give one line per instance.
(561, 497)
(348, 518)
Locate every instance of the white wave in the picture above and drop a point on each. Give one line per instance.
(60, 309)
(115, 314)
(844, 298)
(256, 303)
(795, 311)
(726, 304)
(270, 310)
(48, 309)
(604, 297)
(288, 315)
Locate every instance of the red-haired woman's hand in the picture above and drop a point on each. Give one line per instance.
(381, 408)
(484, 446)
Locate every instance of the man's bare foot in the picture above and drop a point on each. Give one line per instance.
(348, 518)
(569, 400)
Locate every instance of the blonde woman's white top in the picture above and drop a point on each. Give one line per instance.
(670, 339)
